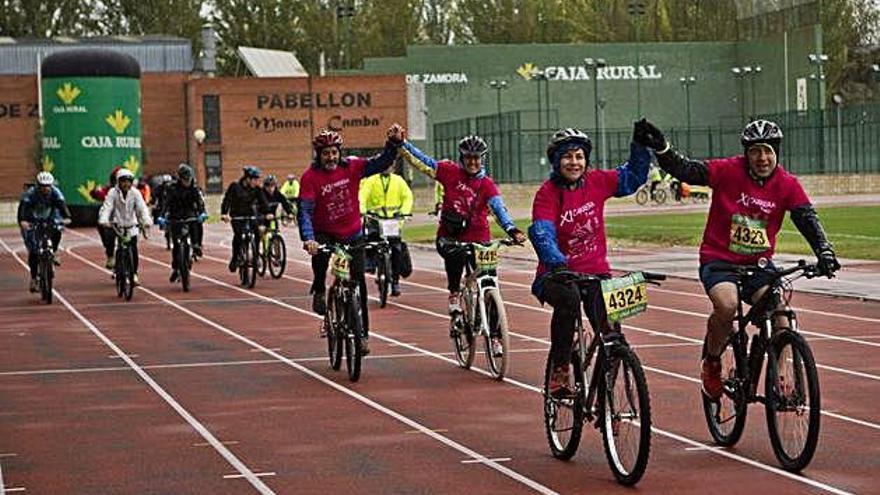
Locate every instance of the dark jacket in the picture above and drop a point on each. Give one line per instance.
(37, 206)
(243, 201)
(180, 201)
(277, 198)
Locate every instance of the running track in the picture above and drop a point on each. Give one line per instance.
(227, 390)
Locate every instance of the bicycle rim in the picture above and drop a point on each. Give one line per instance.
(45, 276)
(792, 401)
(726, 417)
(183, 265)
(382, 274)
(354, 331)
(626, 416)
(659, 196)
(331, 327)
(564, 418)
(128, 263)
(497, 319)
(277, 256)
(642, 197)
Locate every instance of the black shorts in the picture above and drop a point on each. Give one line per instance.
(711, 275)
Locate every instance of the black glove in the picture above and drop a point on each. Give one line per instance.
(648, 135)
(513, 232)
(828, 263)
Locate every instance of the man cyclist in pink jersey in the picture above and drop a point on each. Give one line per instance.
(751, 193)
(568, 234)
(330, 209)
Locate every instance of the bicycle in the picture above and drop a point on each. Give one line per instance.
(45, 257)
(388, 231)
(185, 253)
(658, 195)
(614, 396)
(791, 382)
(482, 309)
(248, 254)
(124, 270)
(273, 251)
(343, 323)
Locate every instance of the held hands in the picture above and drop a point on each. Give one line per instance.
(648, 135)
(224, 217)
(517, 235)
(311, 246)
(396, 133)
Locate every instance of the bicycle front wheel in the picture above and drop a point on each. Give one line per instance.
(354, 331)
(128, 271)
(262, 255)
(497, 343)
(625, 416)
(276, 257)
(726, 417)
(383, 272)
(183, 265)
(45, 275)
(564, 417)
(792, 400)
(332, 325)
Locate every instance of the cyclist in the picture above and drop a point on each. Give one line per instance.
(157, 202)
(290, 188)
(108, 238)
(41, 202)
(182, 199)
(752, 192)
(125, 206)
(469, 194)
(387, 195)
(243, 198)
(568, 234)
(274, 196)
(655, 178)
(329, 209)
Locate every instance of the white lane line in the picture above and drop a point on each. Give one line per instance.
(436, 430)
(2, 483)
(16, 489)
(193, 422)
(668, 434)
(534, 485)
(234, 476)
(494, 459)
(127, 355)
(274, 349)
(225, 442)
(675, 344)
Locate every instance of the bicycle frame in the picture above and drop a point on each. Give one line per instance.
(476, 284)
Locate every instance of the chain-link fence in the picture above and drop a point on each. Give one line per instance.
(838, 140)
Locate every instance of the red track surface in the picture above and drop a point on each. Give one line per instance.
(226, 390)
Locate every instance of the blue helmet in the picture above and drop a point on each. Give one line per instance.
(252, 172)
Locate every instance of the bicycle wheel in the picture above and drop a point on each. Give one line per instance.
(792, 400)
(726, 417)
(497, 319)
(461, 332)
(354, 325)
(564, 418)
(262, 255)
(254, 262)
(332, 326)
(660, 196)
(45, 275)
(128, 273)
(383, 280)
(277, 256)
(183, 264)
(119, 272)
(642, 196)
(625, 415)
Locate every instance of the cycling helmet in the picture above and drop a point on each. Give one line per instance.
(125, 174)
(564, 139)
(325, 139)
(762, 132)
(45, 179)
(472, 145)
(270, 179)
(184, 171)
(252, 172)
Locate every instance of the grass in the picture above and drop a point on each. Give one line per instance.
(854, 230)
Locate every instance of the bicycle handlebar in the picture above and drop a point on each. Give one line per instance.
(584, 278)
(810, 270)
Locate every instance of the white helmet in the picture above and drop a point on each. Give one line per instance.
(45, 179)
(124, 173)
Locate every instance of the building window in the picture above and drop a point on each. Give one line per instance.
(213, 173)
(211, 118)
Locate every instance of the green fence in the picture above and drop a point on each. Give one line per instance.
(814, 142)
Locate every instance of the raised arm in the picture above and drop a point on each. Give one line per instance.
(679, 166)
(418, 159)
(634, 172)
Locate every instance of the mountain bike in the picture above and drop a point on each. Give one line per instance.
(124, 271)
(658, 195)
(273, 250)
(185, 254)
(482, 309)
(610, 390)
(343, 322)
(248, 254)
(379, 251)
(791, 383)
(45, 257)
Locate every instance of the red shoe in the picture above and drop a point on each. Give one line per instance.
(710, 375)
(560, 382)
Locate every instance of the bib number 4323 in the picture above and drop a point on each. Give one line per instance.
(748, 235)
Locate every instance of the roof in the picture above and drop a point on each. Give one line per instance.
(271, 63)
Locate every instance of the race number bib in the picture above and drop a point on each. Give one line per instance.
(486, 257)
(390, 228)
(340, 264)
(748, 235)
(625, 296)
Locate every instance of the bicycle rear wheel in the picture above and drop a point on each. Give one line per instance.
(276, 256)
(625, 415)
(726, 417)
(497, 320)
(45, 275)
(792, 400)
(564, 418)
(660, 196)
(642, 196)
(183, 264)
(354, 325)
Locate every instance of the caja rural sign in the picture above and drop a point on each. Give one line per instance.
(528, 71)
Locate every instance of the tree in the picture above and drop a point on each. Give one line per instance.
(44, 19)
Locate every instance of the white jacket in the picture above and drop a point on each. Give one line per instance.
(128, 211)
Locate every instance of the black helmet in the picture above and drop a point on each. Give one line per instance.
(472, 145)
(184, 171)
(270, 179)
(564, 137)
(251, 172)
(762, 132)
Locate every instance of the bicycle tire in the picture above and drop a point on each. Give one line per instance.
(332, 326)
(119, 272)
(780, 405)
(353, 332)
(564, 438)
(45, 274)
(254, 264)
(659, 196)
(463, 341)
(726, 417)
(497, 320)
(129, 275)
(183, 264)
(383, 272)
(620, 418)
(277, 256)
(642, 196)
